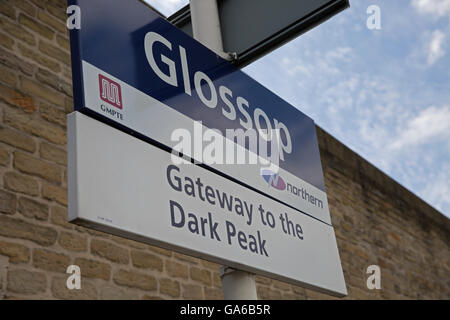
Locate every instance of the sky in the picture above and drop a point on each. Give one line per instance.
(385, 93)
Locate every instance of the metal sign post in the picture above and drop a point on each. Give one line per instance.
(236, 284)
(252, 28)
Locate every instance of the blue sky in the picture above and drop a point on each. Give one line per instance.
(384, 93)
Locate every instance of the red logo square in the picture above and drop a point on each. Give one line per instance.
(110, 91)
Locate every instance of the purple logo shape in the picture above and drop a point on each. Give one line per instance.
(273, 179)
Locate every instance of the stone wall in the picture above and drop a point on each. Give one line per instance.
(376, 220)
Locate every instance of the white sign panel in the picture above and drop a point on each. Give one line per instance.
(124, 186)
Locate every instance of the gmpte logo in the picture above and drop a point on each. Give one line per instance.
(111, 93)
(273, 179)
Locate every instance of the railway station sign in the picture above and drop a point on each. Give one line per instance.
(172, 145)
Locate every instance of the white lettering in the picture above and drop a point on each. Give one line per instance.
(207, 93)
(149, 41)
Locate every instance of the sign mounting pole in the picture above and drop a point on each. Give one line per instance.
(206, 25)
(236, 284)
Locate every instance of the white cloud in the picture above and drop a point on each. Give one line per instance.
(435, 48)
(437, 189)
(430, 123)
(325, 63)
(437, 8)
(339, 53)
(429, 48)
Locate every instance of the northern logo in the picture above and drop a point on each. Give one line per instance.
(110, 91)
(273, 179)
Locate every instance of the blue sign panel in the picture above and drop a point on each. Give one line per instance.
(134, 70)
